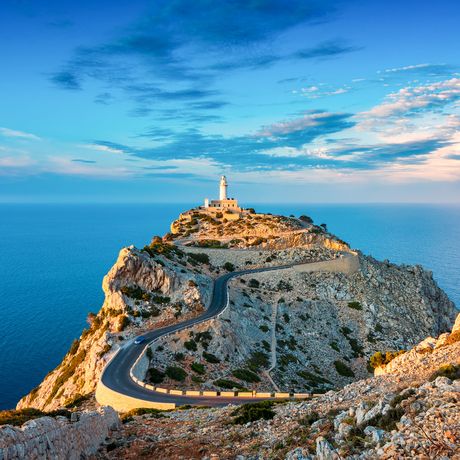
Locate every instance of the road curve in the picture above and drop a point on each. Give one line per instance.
(116, 375)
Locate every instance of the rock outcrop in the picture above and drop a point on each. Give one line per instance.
(58, 437)
(144, 289)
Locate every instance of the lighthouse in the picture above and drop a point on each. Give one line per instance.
(223, 188)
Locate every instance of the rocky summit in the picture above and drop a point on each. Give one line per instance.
(312, 317)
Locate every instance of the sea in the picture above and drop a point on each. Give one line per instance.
(53, 258)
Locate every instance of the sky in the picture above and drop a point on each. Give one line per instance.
(293, 100)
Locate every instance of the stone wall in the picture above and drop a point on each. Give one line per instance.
(58, 438)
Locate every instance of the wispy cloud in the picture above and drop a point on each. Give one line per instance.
(6, 132)
(104, 146)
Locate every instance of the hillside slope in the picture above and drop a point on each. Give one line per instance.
(323, 326)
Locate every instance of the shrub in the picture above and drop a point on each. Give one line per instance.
(246, 375)
(210, 358)
(284, 286)
(334, 346)
(176, 373)
(343, 369)
(286, 317)
(179, 356)
(266, 345)
(264, 328)
(190, 345)
(228, 266)
(311, 378)
(355, 305)
(253, 411)
(253, 283)
(155, 375)
(135, 292)
(257, 360)
(149, 353)
(21, 416)
(306, 219)
(228, 384)
(155, 413)
(123, 323)
(160, 299)
(447, 370)
(201, 258)
(198, 368)
(380, 359)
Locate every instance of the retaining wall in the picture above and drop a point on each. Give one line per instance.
(347, 264)
(122, 403)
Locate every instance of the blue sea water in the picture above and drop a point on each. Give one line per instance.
(53, 258)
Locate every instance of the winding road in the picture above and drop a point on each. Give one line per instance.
(116, 375)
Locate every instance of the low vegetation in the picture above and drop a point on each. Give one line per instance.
(176, 373)
(19, 417)
(450, 371)
(343, 369)
(382, 358)
(246, 375)
(248, 413)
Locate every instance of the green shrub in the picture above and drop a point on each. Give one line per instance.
(253, 411)
(266, 345)
(228, 266)
(264, 328)
(21, 416)
(246, 375)
(198, 368)
(155, 413)
(355, 305)
(124, 322)
(334, 346)
(380, 359)
(343, 369)
(257, 360)
(160, 299)
(135, 292)
(176, 373)
(190, 345)
(253, 283)
(284, 286)
(210, 358)
(286, 318)
(179, 356)
(155, 375)
(312, 379)
(450, 371)
(201, 258)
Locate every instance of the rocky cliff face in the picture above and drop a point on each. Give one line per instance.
(143, 290)
(58, 437)
(317, 330)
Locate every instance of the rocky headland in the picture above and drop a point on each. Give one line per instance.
(312, 327)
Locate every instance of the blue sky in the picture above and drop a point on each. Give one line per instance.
(298, 101)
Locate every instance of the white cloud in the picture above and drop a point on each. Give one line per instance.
(103, 148)
(412, 99)
(6, 132)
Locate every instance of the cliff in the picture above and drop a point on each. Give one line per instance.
(315, 330)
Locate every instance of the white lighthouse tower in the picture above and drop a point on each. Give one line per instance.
(223, 188)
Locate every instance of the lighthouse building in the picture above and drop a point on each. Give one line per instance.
(223, 203)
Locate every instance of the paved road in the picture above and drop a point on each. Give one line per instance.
(116, 374)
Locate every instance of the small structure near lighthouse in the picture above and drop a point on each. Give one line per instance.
(223, 203)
